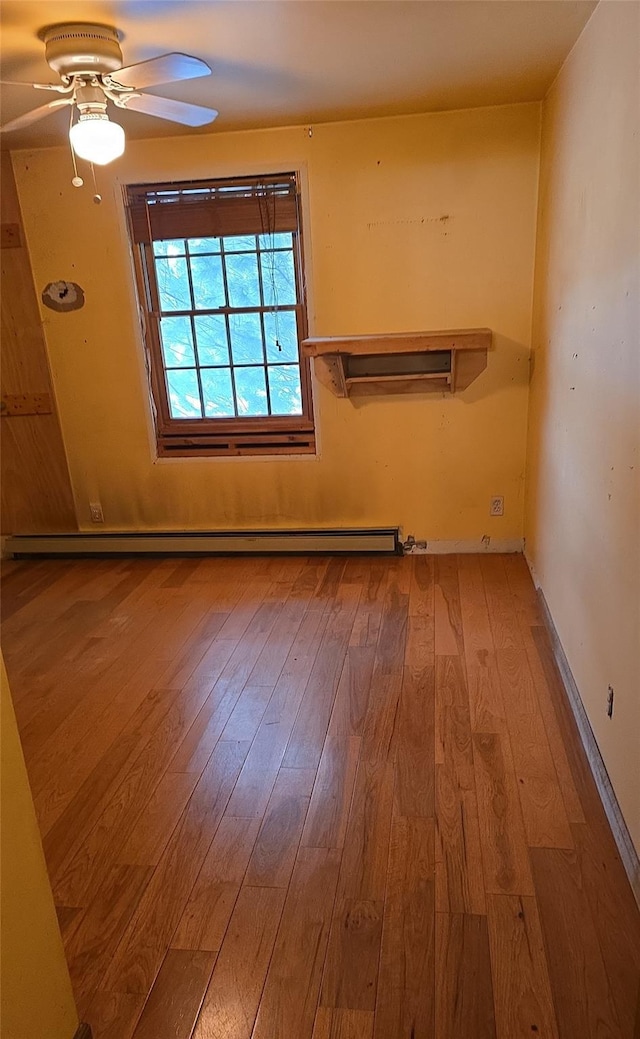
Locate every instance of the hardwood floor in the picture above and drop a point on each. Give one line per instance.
(316, 798)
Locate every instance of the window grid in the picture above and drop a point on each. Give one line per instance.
(163, 252)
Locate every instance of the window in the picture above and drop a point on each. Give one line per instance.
(219, 268)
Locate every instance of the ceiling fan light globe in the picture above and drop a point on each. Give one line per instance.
(95, 138)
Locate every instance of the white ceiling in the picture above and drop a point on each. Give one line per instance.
(307, 61)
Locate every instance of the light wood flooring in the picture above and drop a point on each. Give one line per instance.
(316, 798)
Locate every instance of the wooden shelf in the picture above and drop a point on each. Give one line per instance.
(464, 358)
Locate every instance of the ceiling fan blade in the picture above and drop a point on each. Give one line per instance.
(38, 86)
(166, 108)
(36, 113)
(165, 69)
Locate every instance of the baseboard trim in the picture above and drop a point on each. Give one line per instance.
(463, 547)
(621, 835)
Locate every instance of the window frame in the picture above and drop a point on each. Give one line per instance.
(207, 436)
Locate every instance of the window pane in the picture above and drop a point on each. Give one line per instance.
(208, 286)
(177, 342)
(278, 278)
(281, 240)
(211, 336)
(246, 338)
(170, 247)
(251, 391)
(173, 284)
(184, 399)
(204, 245)
(242, 279)
(284, 389)
(280, 328)
(239, 243)
(217, 392)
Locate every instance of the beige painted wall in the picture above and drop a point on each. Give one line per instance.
(583, 489)
(36, 998)
(380, 259)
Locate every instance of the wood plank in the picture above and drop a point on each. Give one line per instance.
(570, 795)
(91, 942)
(233, 995)
(414, 743)
(459, 867)
(353, 692)
(290, 994)
(206, 915)
(247, 714)
(90, 733)
(254, 786)
(405, 1006)
(476, 626)
(145, 941)
(450, 692)
(157, 822)
(366, 625)
(269, 664)
(66, 916)
(615, 914)
(464, 995)
(274, 852)
(400, 342)
(114, 1015)
(449, 639)
(421, 592)
(485, 697)
(545, 818)
(386, 681)
(581, 990)
(521, 987)
(364, 861)
(351, 968)
(326, 821)
(516, 682)
(504, 621)
(305, 745)
(194, 750)
(336, 1023)
(118, 822)
(176, 996)
(504, 847)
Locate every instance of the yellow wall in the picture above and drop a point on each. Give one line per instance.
(583, 490)
(36, 998)
(381, 258)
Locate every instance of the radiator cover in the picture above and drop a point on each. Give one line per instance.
(241, 542)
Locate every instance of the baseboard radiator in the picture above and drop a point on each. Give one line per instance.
(242, 542)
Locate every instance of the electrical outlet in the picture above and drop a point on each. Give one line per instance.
(610, 702)
(95, 511)
(496, 506)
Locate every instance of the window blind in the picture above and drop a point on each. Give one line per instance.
(210, 209)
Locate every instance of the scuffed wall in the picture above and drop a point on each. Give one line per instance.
(36, 990)
(583, 490)
(416, 222)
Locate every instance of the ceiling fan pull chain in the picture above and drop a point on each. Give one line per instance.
(76, 180)
(97, 198)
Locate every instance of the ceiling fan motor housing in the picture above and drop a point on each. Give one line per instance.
(80, 47)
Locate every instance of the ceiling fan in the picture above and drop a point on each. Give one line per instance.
(88, 59)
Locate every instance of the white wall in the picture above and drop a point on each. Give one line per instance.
(583, 490)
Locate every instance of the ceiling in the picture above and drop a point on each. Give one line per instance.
(282, 62)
